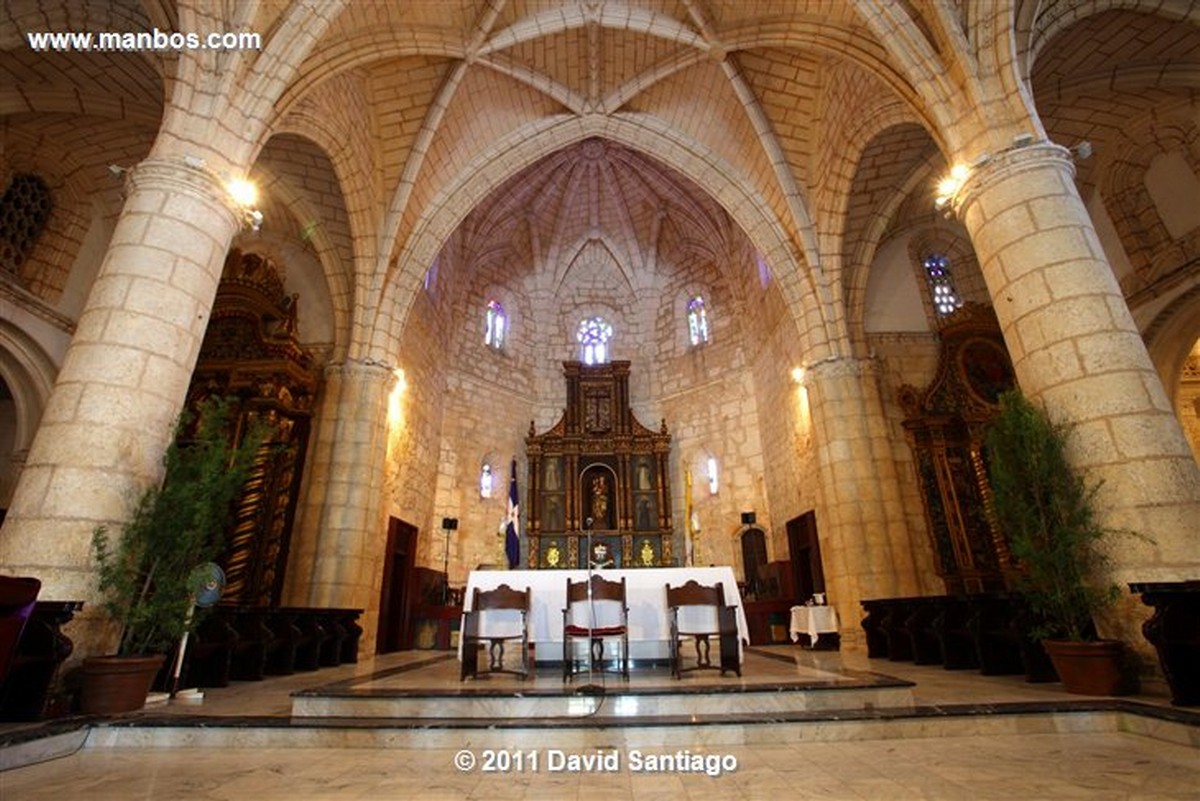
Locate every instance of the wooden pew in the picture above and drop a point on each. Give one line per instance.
(248, 643)
(1174, 631)
(29, 691)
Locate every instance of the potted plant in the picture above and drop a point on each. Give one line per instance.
(1047, 511)
(146, 575)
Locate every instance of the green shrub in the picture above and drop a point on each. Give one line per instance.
(145, 574)
(1047, 512)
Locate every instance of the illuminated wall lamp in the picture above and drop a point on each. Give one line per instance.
(244, 194)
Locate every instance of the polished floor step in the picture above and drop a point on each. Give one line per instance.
(433, 690)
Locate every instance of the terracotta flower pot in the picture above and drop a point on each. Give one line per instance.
(115, 684)
(1088, 668)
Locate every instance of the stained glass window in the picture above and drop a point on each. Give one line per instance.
(941, 284)
(594, 335)
(697, 321)
(495, 325)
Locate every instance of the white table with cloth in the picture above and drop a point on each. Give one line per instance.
(813, 621)
(646, 597)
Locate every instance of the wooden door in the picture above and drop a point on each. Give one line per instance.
(395, 595)
(805, 549)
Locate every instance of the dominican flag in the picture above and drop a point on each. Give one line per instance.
(512, 542)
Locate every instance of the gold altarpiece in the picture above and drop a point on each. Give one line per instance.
(251, 355)
(946, 424)
(599, 473)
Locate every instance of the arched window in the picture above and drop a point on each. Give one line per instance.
(697, 321)
(24, 209)
(594, 335)
(941, 284)
(432, 273)
(764, 270)
(495, 325)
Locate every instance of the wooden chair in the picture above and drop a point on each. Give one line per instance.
(700, 614)
(482, 624)
(607, 602)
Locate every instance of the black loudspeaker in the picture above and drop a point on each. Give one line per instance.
(450, 523)
(748, 518)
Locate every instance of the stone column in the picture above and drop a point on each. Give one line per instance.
(867, 550)
(338, 548)
(1077, 350)
(124, 378)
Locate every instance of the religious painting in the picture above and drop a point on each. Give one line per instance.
(553, 555)
(597, 410)
(552, 474)
(645, 515)
(647, 552)
(605, 553)
(986, 369)
(552, 513)
(643, 474)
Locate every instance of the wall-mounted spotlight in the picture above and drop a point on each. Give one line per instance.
(1082, 151)
(244, 194)
(949, 186)
(117, 170)
(713, 481)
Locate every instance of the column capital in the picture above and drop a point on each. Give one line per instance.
(366, 368)
(842, 366)
(178, 175)
(1006, 164)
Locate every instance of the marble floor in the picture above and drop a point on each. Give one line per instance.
(937, 735)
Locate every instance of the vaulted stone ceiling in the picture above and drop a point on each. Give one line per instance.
(802, 109)
(599, 193)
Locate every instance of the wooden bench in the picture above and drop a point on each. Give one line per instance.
(987, 631)
(248, 643)
(1174, 631)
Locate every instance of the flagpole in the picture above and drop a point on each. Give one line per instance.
(512, 538)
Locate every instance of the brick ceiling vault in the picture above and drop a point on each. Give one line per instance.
(768, 116)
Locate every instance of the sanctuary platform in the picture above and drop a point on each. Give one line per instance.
(415, 699)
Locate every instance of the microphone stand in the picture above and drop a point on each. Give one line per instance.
(591, 688)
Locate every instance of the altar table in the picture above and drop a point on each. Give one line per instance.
(646, 596)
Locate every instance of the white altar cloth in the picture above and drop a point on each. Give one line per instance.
(813, 621)
(646, 595)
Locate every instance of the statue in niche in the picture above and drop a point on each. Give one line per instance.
(600, 500)
(551, 480)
